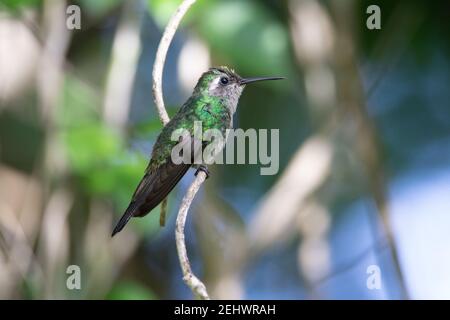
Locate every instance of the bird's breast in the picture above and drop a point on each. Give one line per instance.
(215, 117)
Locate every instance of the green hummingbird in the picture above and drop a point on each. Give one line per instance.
(213, 103)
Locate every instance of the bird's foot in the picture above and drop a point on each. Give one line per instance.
(203, 168)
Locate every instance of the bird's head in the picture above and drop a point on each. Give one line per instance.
(223, 82)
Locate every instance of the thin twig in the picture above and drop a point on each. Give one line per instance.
(161, 54)
(163, 213)
(197, 287)
(189, 278)
(366, 142)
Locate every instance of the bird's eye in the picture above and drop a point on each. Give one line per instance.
(224, 80)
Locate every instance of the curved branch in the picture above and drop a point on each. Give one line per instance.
(189, 278)
(161, 54)
(196, 286)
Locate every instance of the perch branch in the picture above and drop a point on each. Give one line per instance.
(189, 278)
(161, 54)
(197, 287)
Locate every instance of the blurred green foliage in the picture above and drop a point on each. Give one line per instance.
(99, 7)
(130, 291)
(18, 4)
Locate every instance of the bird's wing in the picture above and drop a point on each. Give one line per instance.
(156, 184)
(159, 181)
(152, 189)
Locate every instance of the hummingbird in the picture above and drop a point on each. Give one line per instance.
(213, 102)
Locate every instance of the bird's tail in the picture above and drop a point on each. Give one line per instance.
(125, 218)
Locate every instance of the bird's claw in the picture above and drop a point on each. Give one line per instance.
(203, 168)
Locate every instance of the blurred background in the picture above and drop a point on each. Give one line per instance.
(364, 183)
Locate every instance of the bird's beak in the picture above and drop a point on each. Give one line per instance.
(250, 80)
